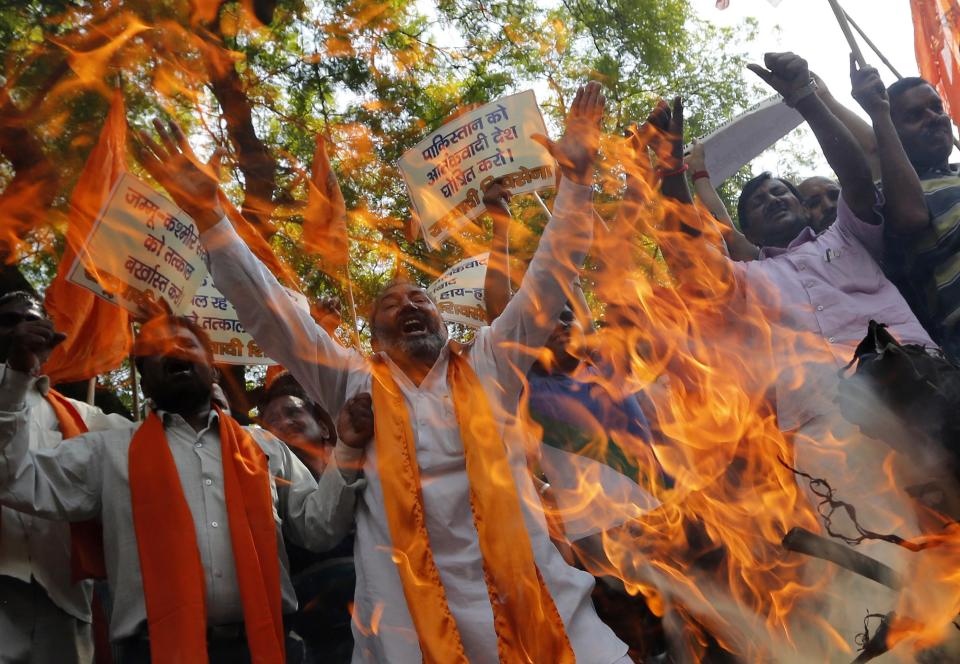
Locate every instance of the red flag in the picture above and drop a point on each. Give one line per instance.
(325, 219)
(936, 33)
(98, 332)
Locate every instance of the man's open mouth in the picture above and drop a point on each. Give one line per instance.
(174, 367)
(413, 326)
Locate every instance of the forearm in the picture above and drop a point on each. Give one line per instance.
(862, 133)
(321, 518)
(844, 155)
(906, 209)
(532, 312)
(496, 284)
(740, 248)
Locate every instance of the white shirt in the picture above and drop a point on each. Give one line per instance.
(88, 477)
(35, 548)
(382, 625)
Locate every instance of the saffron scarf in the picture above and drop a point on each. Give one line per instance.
(173, 577)
(86, 537)
(528, 626)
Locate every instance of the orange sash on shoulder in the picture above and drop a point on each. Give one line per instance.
(86, 537)
(173, 577)
(528, 626)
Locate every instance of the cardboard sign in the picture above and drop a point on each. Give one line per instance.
(459, 292)
(448, 171)
(741, 140)
(231, 344)
(141, 243)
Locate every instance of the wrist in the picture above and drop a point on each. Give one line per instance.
(207, 217)
(700, 174)
(583, 179)
(800, 94)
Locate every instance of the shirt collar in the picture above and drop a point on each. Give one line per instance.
(804, 236)
(167, 417)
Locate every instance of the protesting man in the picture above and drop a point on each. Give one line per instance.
(819, 293)
(453, 564)
(192, 505)
(45, 611)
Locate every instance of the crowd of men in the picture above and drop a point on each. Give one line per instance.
(387, 508)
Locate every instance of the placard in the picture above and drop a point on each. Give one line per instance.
(209, 309)
(447, 172)
(141, 243)
(459, 292)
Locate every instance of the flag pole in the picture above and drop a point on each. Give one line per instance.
(873, 47)
(133, 380)
(353, 307)
(845, 27)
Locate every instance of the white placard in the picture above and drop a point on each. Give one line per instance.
(739, 141)
(209, 309)
(447, 172)
(459, 292)
(141, 243)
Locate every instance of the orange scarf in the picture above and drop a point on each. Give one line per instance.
(173, 578)
(528, 626)
(86, 537)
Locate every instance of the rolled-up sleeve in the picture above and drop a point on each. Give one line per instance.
(869, 233)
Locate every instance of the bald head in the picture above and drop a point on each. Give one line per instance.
(820, 197)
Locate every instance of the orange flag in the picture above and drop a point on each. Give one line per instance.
(98, 332)
(936, 32)
(325, 219)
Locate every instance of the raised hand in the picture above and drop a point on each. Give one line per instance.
(355, 421)
(194, 186)
(577, 150)
(697, 159)
(31, 343)
(868, 89)
(787, 73)
(664, 132)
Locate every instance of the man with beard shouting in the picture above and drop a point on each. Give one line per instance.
(453, 565)
(192, 505)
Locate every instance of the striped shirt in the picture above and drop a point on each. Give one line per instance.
(926, 266)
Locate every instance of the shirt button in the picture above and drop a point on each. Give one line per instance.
(819, 307)
(215, 524)
(801, 267)
(808, 284)
(198, 445)
(208, 481)
(217, 573)
(832, 339)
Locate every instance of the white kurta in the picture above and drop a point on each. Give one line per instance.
(383, 628)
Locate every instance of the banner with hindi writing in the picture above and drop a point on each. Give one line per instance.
(459, 292)
(448, 171)
(141, 243)
(209, 309)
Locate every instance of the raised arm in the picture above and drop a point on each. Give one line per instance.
(905, 209)
(787, 73)
(740, 248)
(860, 130)
(496, 283)
(282, 330)
(532, 313)
(62, 483)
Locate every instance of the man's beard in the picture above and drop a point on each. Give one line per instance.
(426, 348)
(183, 399)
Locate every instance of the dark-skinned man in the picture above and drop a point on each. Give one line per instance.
(193, 507)
(818, 294)
(45, 615)
(445, 523)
